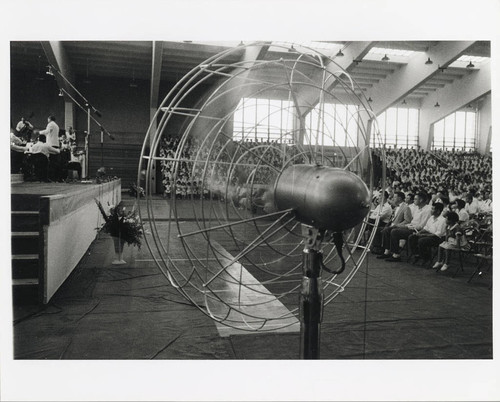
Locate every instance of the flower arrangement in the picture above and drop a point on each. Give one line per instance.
(136, 190)
(122, 224)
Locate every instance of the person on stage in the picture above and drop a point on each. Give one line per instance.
(24, 129)
(51, 132)
(52, 135)
(41, 152)
(17, 149)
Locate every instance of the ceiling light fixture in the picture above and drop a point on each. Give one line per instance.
(339, 53)
(385, 58)
(429, 61)
(370, 99)
(470, 65)
(404, 102)
(437, 104)
(49, 71)
(60, 92)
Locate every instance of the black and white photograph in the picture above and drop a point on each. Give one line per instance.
(231, 201)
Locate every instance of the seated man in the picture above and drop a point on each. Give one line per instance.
(385, 210)
(401, 217)
(74, 163)
(471, 205)
(41, 151)
(421, 242)
(419, 219)
(17, 149)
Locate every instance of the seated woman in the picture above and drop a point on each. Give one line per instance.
(459, 208)
(454, 240)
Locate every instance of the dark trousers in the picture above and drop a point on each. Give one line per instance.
(377, 238)
(75, 166)
(16, 161)
(386, 237)
(398, 234)
(40, 166)
(422, 244)
(55, 168)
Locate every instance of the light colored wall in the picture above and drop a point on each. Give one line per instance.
(68, 236)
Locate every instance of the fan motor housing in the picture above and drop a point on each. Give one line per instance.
(324, 197)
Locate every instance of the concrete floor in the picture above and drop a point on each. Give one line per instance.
(130, 312)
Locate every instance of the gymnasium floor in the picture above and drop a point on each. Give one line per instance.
(388, 311)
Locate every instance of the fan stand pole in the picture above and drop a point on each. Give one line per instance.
(311, 305)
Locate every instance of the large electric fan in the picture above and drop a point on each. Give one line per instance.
(269, 179)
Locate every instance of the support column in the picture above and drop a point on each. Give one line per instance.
(69, 114)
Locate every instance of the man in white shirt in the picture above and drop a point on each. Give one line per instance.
(431, 235)
(51, 132)
(383, 209)
(409, 201)
(40, 157)
(52, 135)
(401, 217)
(419, 219)
(471, 206)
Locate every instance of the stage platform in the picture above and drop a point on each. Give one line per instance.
(52, 225)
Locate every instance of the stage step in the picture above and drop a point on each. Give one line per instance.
(25, 266)
(25, 242)
(25, 291)
(25, 238)
(24, 221)
(16, 178)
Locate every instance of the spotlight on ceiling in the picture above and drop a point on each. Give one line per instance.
(49, 70)
(385, 58)
(61, 92)
(370, 99)
(404, 102)
(429, 61)
(437, 104)
(340, 54)
(470, 65)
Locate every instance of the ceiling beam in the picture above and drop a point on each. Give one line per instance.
(354, 51)
(57, 57)
(156, 64)
(412, 75)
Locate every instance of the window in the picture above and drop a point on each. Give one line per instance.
(456, 131)
(260, 120)
(398, 128)
(331, 124)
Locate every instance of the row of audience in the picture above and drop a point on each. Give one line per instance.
(422, 222)
(456, 171)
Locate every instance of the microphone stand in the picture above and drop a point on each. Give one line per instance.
(102, 147)
(87, 109)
